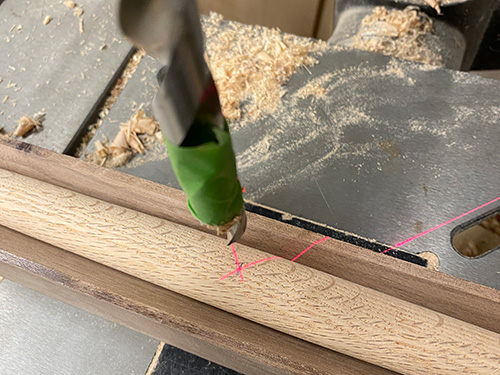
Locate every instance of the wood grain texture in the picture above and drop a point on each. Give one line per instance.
(286, 296)
(455, 297)
(201, 329)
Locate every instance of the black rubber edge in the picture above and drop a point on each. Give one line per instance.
(341, 236)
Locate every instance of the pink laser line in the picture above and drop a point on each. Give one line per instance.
(309, 248)
(266, 259)
(239, 269)
(237, 262)
(440, 225)
(248, 265)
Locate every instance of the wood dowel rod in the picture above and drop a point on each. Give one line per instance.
(286, 296)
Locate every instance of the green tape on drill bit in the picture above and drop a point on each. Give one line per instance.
(207, 174)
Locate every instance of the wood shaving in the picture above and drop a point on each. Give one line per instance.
(119, 144)
(127, 141)
(80, 26)
(69, 4)
(144, 124)
(26, 124)
(159, 136)
(434, 4)
(47, 20)
(398, 33)
(251, 64)
(111, 99)
(78, 11)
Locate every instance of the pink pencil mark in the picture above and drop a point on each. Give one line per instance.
(440, 225)
(237, 263)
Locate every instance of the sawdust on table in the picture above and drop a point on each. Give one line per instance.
(432, 259)
(117, 89)
(398, 33)
(69, 4)
(315, 87)
(134, 137)
(319, 129)
(251, 64)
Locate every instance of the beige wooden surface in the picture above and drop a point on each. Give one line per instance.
(286, 296)
(292, 16)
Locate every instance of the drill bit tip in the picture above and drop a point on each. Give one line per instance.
(236, 231)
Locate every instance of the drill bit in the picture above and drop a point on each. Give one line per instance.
(188, 110)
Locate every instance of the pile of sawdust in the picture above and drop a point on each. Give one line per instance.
(398, 33)
(251, 64)
(131, 139)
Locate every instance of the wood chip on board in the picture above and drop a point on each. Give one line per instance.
(26, 124)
